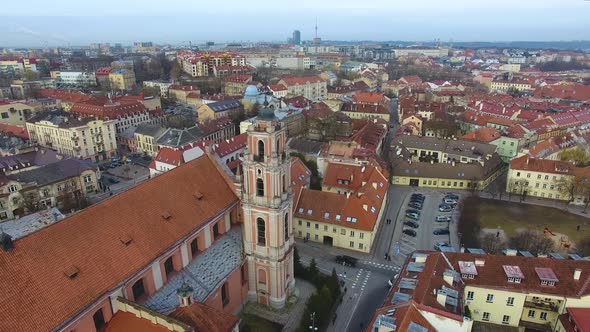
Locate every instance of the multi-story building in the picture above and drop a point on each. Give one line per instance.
(310, 87)
(434, 290)
(163, 86)
(16, 113)
(145, 47)
(203, 63)
(85, 138)
(124, 112)
(122, 79)
(16, 66)
(219, 109)
(235, 85)
(181, 92)
(295, 63)
(146, 137)
(542, 178)
(65, 79)
(348, 210)
(64, 183)
(417, 51)
(102, 76)
(366, 111)
(500, 85)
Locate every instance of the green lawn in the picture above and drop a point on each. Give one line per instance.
(510, 217)
(251, 323)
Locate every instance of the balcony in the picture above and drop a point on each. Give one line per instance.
(542, 305)
(75, 138)
(77, 147)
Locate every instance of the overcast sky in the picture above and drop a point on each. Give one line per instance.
(75, 22)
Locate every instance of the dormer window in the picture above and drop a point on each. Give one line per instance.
(310, 212)
(301, 210)
(327, 215)
(547, 276)
(514, 280)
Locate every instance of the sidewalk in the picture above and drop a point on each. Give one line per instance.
(290, 316)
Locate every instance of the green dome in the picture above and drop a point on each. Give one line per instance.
(266, 113)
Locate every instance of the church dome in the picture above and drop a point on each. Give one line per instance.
(251, 91)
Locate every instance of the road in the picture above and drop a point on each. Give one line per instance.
(127, 179)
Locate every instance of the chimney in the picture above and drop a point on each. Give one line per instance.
(374, 185)
(363, 169)
(185, 295)
(480, 262)
(577, 274)
(448, 278)
(441, 298)
(365, 207)
(348, 194)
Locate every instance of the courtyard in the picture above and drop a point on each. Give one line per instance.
(511, 217)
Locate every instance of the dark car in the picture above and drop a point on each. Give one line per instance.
(415, 197)
(412, 211)
(452, 196)
(346, 260)
(411, 223)
(409, 232)
(441, 231)
(415, 205)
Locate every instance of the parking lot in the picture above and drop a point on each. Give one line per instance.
(416, 226)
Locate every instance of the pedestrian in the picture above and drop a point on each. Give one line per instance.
(497, 234)
(578, 228)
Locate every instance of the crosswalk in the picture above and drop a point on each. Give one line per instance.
(381, 265)
(360, 280)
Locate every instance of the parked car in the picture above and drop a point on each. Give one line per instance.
(412, 211)
(445, 208)
(346, 260)
(415, 205)
(417, 197)
(449, 201)
(412, 215)
(418, 200)
(452, 196)
(411, 223)
(441, 231)
(442, 219)
(409, 232)
(439, 245)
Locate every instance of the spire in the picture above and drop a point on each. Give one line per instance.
(265, 101)
(316, 27)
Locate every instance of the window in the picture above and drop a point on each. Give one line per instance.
(543, 316)
(3, 215)
(490, 298)
(470, 295)
(317, 226)
(352, 244)
(360, 246)
(528, 175)
(327, 215)
(12, 188)
(259, 187)
(361, 235)
(4, 115)
(337, 217)
(224, 294)
(286, 225)
(334, 230)
(531, 314)
(98, 318)
(316, 237)
(351, 233)
(546, 177)
(168, 266)
(261, 231)
(261, 149)
(87, 179)
(138, 289)
(510, 301)
(505, 319)
(485, 316)
(307, 224)
(300, 222)
(539, 177)
(517, 173)
(194, 247)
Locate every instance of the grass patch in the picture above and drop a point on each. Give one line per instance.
(251, 323)
(510, 217)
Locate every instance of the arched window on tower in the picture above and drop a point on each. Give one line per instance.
(286, 226)
(278, 145)
(261, 150)
(259, 187)
(261, 232)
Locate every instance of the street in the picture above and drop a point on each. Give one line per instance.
(119, 179)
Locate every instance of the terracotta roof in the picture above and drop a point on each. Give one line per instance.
(484, 134)
(526, 163)
(293, 80)
(369, 97)
(65, 95)
(412, 79)
(364, 108)
(404, 314)
(37, 296)
(14, 130)
(277, 87)
(108, 110)
(128, 322)
(238, 78)
(581, 318)
(205, 318)
(575, 92)
(300, 177)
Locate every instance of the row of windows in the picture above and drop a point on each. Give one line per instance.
(317, 238)
(486, 317)
(539, 176)
(334, 230)
(542, 315)
(490, 298)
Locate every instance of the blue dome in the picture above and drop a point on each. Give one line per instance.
(251, 91)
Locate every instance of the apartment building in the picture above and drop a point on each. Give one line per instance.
(499, 85)
(540, 177)
(122, 79)
(348, 210)
(146, 136)
(310, 87)
(85, 138)
(16, 112)
(434, 289)
(219, 109)
(63, 183)
(162, 86)
(235, 85)
(79, 79)
(181, 92)
(203, 63)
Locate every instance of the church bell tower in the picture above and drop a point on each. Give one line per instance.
(266, 208)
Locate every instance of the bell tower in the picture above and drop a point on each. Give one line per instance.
(266, 205)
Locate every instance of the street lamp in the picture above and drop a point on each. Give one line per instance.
(312, 327)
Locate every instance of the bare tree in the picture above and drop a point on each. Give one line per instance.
(532, 241)
(491, 243)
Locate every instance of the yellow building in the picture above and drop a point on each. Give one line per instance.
(122, 79)
(16, 113)
(511, 67)
(348, 211)
(218, 109)
(539, 177)
(86, 138)
(503, 86)
(181, 92)
(146, 136)
(365, 111)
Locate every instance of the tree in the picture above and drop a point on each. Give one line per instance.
(491, 244)
(518, 187)
(576, 155)
(30, 202)
(532, 241)
(149, 91)
(583, 247)
(30, 75)
(299, 269)
(175, 71)
(570, 186)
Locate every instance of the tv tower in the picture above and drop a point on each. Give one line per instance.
(316, 39)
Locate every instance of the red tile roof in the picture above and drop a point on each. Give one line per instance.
(581, 317)
(574, 92)
(277, 87)
(238, 78)
(369, 97)
(300, 177)
(114, 110)
(365, 108)
(205, 318)
(293, 80)
(72, 96)
(484, 134)
(37, 296)
(526, 163)
(14, 130)
(128, 322)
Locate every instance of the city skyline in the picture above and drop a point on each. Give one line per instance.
(375, 21)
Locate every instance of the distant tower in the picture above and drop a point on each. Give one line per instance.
(296, 37)
(316, 39)
(267, 203)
